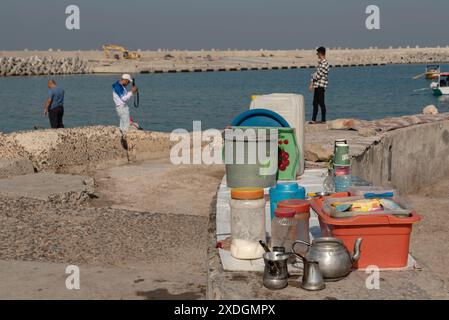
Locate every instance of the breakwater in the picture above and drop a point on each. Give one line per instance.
(35, 66)
(212, 60)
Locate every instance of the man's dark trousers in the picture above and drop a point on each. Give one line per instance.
(318, 100)
(55, 115)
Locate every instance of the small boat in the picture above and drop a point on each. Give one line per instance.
(432, 71)
(441, 87)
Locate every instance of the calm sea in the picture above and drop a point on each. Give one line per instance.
(170, 101)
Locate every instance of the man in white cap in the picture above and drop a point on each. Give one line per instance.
(121, 96)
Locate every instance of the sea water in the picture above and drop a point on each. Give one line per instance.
(172, 101)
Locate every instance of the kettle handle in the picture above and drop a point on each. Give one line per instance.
(299, 242)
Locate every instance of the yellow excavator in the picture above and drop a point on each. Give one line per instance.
(114, 50)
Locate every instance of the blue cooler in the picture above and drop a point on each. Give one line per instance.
(285, 191)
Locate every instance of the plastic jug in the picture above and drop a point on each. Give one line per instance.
(285, 191)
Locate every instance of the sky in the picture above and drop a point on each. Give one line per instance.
(221, 24)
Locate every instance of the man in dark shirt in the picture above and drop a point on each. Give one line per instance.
(318, 85)
(54, 106)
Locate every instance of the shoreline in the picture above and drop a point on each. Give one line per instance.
(182, 61)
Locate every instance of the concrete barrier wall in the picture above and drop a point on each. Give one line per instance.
(408, 158)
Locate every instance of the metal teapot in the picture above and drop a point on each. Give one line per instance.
(334, 259)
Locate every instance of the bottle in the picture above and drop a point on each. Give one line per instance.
(329, 182)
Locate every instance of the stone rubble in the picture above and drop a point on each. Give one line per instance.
(36, 66)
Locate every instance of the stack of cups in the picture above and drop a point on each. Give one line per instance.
(341, 153)
(342, 165)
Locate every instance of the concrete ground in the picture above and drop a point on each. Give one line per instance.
(158, 186)
(142, 238)
(47, 186)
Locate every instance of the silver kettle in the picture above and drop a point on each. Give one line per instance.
(333, 258)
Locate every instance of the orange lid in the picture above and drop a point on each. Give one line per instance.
(301, 206)
(247, 193)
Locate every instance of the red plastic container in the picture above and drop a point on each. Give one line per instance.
(386, 238)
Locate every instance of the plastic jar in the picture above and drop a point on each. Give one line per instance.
(283, 228)
(302, 216)
(247, 223)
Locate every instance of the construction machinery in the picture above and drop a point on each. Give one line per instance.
(119, 52)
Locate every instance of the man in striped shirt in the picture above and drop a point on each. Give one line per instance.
(318, 84)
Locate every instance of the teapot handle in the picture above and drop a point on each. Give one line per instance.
(299, 242)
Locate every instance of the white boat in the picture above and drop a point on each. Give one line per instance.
(441, 86)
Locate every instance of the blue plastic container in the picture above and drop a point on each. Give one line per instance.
(285, 191)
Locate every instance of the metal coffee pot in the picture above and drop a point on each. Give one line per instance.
(335, 262)
(275, 275)
(312, 278)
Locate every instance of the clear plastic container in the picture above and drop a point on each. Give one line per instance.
(283, 228)
(247, 223)
(329, 182)
(302, 216)
(375, 190)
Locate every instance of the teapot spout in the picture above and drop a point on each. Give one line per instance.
(356, 255)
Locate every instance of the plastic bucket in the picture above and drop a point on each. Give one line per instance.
(244, 166)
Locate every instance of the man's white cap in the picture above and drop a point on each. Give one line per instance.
(127, 77)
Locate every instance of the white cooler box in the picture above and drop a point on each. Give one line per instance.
(292, 108)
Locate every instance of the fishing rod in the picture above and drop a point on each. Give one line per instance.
(136, 97)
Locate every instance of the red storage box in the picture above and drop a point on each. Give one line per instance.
(386, 238)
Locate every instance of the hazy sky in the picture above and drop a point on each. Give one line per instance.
(221, 24)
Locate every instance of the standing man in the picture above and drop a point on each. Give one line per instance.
(318, 84)
(54, 106)
(120, 96)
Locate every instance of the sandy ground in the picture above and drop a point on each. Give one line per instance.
(143, 238)
(430, 236)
